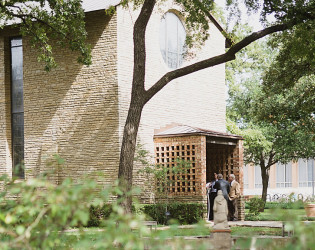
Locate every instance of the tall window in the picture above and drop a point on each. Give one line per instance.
(306, 172)
(258, 178)
(17, 107)
(172, 40)
(284, 175)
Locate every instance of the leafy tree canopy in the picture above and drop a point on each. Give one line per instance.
(277, 124)
(47, 21)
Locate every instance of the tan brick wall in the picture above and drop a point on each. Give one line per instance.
(72, 110)
(5, 107)
(195, 100)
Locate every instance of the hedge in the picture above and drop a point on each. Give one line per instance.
(283, 205)
(183, 213)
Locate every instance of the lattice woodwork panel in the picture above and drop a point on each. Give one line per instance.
(183, 182)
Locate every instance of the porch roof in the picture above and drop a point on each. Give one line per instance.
(184, 130)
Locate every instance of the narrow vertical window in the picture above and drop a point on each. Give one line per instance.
(17, 107)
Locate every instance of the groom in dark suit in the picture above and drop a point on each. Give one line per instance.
(224, 186)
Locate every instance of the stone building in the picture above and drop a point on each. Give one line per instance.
(78, 112)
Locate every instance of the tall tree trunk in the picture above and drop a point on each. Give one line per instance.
(138, 100)
(127, 153)
(265, 181)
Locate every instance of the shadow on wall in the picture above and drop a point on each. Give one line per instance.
(73, 110)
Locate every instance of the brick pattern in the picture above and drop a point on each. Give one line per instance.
(238, 164)
(5, 103)
(71, 111)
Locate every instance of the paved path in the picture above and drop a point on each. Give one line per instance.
(273, 224)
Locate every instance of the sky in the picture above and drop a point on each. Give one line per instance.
(253, 20)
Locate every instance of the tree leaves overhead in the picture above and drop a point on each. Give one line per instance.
(47, 23)
(271, 100)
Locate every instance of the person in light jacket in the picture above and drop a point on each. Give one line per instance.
(234, 194)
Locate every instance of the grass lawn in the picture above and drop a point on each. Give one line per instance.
(279, 214)
(73, 239)
(198, 231)
(251, 231)
(236, 231)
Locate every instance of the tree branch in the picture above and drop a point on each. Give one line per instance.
(30, 228)
(271, 161)
(139, 48)
(223, 58)
(22, 16)
(229, 42)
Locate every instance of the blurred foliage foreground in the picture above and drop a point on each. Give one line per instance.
(38, 214)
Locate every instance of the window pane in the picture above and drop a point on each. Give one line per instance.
(258, 180)
(16, 42)
(288, 172)
(17, 108)
(310, 169)
(303, 177)
(171, 31)
(163, 37)
(17, 63)
(245, 172)
(172, 40)
(280, 172)
(17, 96)
(18, 143)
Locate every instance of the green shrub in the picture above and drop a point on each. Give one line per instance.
(299, 204)
(255, 205)
(285, 205)
(184, 213)
(98, 214)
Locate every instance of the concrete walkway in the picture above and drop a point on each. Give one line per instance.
(272, 224)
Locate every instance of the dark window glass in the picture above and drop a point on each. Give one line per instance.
(17, 107)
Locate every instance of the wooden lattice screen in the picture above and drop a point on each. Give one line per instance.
(170, 155)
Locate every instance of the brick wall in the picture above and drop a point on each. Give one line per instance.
(72, 110)
(5, 107)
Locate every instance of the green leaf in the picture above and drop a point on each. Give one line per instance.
(20, 229)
